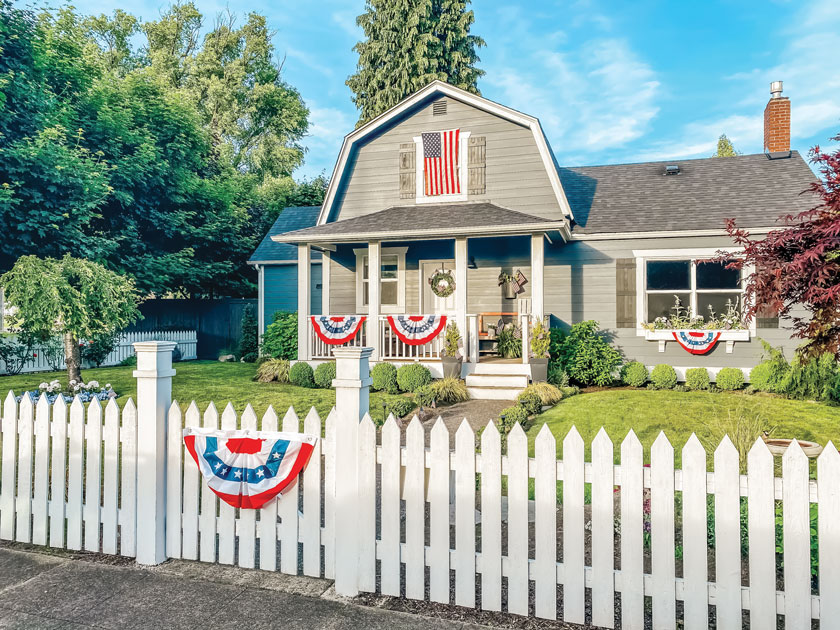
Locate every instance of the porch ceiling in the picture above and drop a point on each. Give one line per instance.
(424, 222)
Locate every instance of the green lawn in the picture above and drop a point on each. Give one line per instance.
(679, 414)
(203, 381)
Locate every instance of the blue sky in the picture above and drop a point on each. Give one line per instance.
(610, 81)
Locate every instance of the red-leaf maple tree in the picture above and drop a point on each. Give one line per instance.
(798, 265)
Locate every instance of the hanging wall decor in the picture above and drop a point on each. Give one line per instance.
(335, 330)
(442, 283)
(247, 469)
(415, 330)
(695, 341)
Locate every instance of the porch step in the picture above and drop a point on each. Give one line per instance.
(505, 369)
(497, 380)
(494, 393)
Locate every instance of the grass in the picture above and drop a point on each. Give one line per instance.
(203, 382)
(679, 414)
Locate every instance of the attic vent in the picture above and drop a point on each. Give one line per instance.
(439, 108)
(672, 169)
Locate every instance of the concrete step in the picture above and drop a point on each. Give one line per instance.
(494, 393)
(497, 380)
(502, 368)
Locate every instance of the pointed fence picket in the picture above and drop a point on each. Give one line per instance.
(68, 478)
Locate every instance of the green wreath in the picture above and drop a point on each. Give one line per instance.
(442, 283)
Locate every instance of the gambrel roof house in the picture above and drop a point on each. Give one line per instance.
(451, 182)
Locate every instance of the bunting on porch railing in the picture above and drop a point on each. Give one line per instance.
(335, 330)
(696, 342)
(247, 469)
(415, 330)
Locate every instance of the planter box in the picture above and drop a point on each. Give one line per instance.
(727, 336)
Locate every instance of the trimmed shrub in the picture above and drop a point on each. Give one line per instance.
(587, 355)
(697, 378)
(730, 379)
(510, 416)
(301, 375)
(448, 390)
(412, 377)
(249, 345)
(530, 401)
(280, 337)
(679, 387)
(384, 377)
(663, 376)
(399, 406)
(324, 375)
(425, 396)
(273, 370)
(634, 374)
(548, 393)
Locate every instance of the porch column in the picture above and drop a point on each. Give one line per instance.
(461, 294)
(374, 296)
(304, 299)
(537, 276)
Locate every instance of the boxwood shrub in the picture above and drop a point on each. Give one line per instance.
(324, 375)
(412, 377)
(634, 374)
(531, 401)
(301, 375)
(384, 377)
(510, 416)
(697, 378)
(399, 406)
(663, 376)
(730, 379)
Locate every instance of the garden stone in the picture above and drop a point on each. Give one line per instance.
(227, 358)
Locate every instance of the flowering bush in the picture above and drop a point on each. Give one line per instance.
(681, 319)
(85, 391)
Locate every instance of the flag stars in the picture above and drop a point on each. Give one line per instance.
(260, 472)
(238, 474)
(275, 456)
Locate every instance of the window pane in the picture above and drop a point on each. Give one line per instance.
(365, 298)
(717, 276)
(365, 269)
(717, 301)
(668, 274)
(389, 293)
(389, 266)
(661, 304)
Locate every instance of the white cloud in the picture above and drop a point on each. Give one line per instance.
(327, 128)
(346, 21)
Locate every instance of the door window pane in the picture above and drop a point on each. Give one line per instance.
(661, 304)
(668, 275)
(713, 275)
(718, 302)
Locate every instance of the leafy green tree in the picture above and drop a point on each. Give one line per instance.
(74, 298)
(410, 43)
(725, 147)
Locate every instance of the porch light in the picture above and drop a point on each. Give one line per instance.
(471, 263)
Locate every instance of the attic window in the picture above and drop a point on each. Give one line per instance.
(439, 108)
(672, 169)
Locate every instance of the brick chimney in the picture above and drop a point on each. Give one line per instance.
(777, 121)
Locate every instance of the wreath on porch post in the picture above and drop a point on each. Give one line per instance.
(442, 283)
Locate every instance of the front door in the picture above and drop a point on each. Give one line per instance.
(429, 302)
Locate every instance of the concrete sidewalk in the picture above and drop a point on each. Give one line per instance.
(78, 591)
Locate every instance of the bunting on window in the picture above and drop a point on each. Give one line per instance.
(415, 330)
(247, 469)
(335, 330)
(696, 342)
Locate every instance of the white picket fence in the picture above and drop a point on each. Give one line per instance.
(187, 341)
(598, 554)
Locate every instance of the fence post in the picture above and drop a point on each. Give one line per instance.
(154, 395)
(352, 402)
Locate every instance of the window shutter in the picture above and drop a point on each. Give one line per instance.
(476, 164)
(408, 172)
(625, 293)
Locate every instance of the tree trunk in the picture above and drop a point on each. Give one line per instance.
(73, 358)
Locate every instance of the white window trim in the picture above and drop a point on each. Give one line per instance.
(400, 252)
(644, 255)
(463, 173)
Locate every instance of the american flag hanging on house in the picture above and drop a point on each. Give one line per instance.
(440, 163)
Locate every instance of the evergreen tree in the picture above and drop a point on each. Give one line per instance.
(725, 148)
(410, 43)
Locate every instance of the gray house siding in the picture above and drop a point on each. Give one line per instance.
(515, 173)
(280, 283)
(580, 284)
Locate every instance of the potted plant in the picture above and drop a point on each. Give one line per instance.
(451, 355)
(509, 342)
(540, 342)
(506, 282)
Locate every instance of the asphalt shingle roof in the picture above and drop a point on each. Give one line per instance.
(440, 219)
(753, 189)
(292, 218)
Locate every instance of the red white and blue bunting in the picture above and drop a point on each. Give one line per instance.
(696, 342)
(415, 330)
(247, 469)
(335, 330)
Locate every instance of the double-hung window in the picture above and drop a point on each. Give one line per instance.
(703, 288)
(391, 280)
